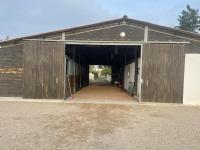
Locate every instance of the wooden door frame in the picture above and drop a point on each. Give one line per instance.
(116, 43)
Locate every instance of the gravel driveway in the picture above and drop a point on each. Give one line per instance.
(51, 126)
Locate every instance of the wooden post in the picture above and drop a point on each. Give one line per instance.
(65, 72)
(140, 75)
(146, 33)
(125, 59)
(63, 36)
(70, 89)
(67, 76)
(74, 52)
(80, 71)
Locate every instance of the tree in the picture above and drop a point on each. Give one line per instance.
(106, 70)
(100, 66)
(95, 73)
(189, 20)
(91, 68)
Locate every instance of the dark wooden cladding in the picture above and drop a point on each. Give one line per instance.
(11, 71)
(178, 33)
(158, 36)
(110, 34)
(10, 85)
(43, 70)
(11, 56)
(193, 48)
(163, 73)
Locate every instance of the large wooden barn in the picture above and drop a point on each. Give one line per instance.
(165, 61)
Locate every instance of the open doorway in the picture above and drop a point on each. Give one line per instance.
(100, 74)
(123, 63)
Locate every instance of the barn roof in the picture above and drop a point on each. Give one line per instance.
(124, 18)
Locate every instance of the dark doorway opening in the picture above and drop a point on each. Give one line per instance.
(123, 59)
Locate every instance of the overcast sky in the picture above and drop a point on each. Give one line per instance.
(26, 17)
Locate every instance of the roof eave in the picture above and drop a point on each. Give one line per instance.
(99, 24)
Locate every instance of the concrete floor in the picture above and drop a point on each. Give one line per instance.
(102, 92)
(61, 126)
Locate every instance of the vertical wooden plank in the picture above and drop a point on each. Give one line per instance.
(163, 73)
(44, 70)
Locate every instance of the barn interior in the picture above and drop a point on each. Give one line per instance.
(124, 61)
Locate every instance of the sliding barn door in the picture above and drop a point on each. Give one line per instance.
(163, 73)
(43, 70)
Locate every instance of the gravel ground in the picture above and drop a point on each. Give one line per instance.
(51, 126)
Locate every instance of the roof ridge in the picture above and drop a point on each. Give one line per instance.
(124, 18)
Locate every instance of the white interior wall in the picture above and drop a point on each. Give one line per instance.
(71, 65)
(125, 77)
(130, 78)
(191, 94)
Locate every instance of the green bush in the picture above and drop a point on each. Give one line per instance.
(106, 70)
(95, 74)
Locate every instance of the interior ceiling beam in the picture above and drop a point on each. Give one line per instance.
(105, 55)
